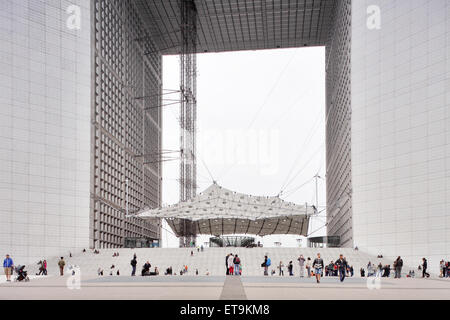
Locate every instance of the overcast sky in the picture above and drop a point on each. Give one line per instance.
(261, 127)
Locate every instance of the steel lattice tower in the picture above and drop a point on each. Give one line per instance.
(188, 109)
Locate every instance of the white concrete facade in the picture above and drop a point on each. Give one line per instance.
(45, 110)
(400, 128)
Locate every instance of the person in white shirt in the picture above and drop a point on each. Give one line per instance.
(301, 262)
(231, 264)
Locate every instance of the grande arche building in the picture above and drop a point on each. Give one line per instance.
(74, 129)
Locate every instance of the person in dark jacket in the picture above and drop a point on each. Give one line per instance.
(291, 269)
(146, 269)
(266, 265)
(424, 268)
(342, 266)
(133, 265)
(318, 267)
(387, 271)
(398, 265)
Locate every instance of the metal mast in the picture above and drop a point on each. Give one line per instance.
(188, 110)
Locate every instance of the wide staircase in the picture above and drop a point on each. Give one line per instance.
(211, 260)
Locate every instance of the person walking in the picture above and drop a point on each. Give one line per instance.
(133, 266)
(318, 267)
(237, 265)
(342, 266)
(424, 268)
(42, 268)
(61, 265)
(398, 264)
(8, 264)
(301, 262)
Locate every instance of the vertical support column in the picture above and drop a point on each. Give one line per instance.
(188, 111)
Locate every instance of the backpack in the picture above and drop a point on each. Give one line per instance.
(237, 261)
(269, 262)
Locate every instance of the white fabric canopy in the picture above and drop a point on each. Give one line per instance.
(219, 211)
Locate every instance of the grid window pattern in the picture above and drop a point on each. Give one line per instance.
(231, 25)
(127, 125)
(338, 126)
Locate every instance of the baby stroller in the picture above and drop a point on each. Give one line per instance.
(22, 275)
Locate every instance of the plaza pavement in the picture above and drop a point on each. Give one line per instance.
(224, 288)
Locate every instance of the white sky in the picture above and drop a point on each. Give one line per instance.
(261, 126)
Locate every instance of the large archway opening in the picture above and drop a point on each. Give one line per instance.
(261, 129)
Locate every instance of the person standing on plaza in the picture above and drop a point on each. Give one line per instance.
(133, 266)
(398, 264)
(281, 269)
(44, 265)
(266, 264)
(308, 267)
(226, 264)
(342, 265)
(301, 262)
(8, 264)
(61, 265)
(379, 270)
(230, 264)
(291, 269)
(237, 265)
(424, 268)
(318, 267)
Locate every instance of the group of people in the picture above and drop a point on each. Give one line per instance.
(233, 265)
(312, 268)
(384, 271)
(378, 271)
(332, 270)
(444, 267)
(42, 268)
(341, 266)
(201, 248)
(146, 268)
(281, 266)
(342, 269)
